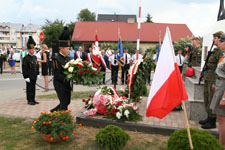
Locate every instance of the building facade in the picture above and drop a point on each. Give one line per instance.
(16, 35)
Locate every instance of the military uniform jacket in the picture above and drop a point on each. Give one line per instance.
(209, 73)
(30, 67)
(60, 81)
(196, 57)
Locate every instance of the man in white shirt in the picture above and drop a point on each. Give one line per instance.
(180, 60)
(126, 66)
(114, 67)
(134, 57)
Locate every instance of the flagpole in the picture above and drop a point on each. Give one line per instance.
(138, 31)
(120, 69)
(187, 124)
(183, 104)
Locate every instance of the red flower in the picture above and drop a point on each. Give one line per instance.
(94, 72)
(87, 70)
(113, 111)
(99, 72)
(84, 62)
(124, 97)
(118, 103)
(117, 110)
(81, 72)
(83, 100)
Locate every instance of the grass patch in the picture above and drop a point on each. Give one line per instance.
(74, 95)
(16, 133)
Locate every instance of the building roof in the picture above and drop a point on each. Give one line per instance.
(20, 27)
(115, 17)
(108, 31)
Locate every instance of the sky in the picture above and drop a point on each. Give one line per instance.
(199, 15)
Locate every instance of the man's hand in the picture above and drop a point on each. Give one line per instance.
(27, 80)
(222, 104)
(38, 76)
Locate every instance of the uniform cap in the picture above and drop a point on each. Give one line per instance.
(218, 34)
(195, 38)
(64, 38)
(30, 43)
(222, 37)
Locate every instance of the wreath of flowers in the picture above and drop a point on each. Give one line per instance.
(107, 101)
(82, 72)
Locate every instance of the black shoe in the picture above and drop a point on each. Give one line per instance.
(202, 122)
(36, 102)
(211, 124)
(31, 103)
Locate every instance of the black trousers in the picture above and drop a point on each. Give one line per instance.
(103, 70)
(180, 68)
(1, 64)
(64, 96)
(30, 90)
(50, 68)
(114, 73)
(125, 72)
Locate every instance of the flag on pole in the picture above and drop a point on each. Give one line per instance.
(167, 90)
(96, 52)
(119, 55)
(158, 51)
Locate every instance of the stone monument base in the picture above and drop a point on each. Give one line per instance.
(195, 103)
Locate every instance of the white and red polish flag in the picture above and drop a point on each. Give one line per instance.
(96, 52)
(167, 90)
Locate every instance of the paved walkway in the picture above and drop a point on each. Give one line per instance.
(19, 108)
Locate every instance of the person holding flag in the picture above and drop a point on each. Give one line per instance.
(114, 67)
(119, 55)
(96, 55)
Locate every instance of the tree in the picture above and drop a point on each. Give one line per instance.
(86, 15)
(71, 26)
(149, 18)
(52, 30)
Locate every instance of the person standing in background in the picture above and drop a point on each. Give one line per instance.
(71, 52)
(23, 53)
(114, 67)
(104, 64)
(1, 62)
(180, 60)
(80, 54)
(50, 67)
(4, 56)
(44, 65)
(12, 60)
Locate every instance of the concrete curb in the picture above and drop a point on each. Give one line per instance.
(99, 123)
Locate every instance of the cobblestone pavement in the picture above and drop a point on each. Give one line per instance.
(19, 108)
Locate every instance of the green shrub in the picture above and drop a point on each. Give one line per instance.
(202, 140)
(112, 137)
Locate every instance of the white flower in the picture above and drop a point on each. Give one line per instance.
(70, 69)
(67, 65)
(118, 115)
(89, 102)
(126, 113)
(120, 108)
(94, 69)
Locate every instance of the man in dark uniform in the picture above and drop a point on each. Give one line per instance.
(114, 67)
(62, 86)
(209, 83)
(126, 66)
(30, 69)
(1, 62)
